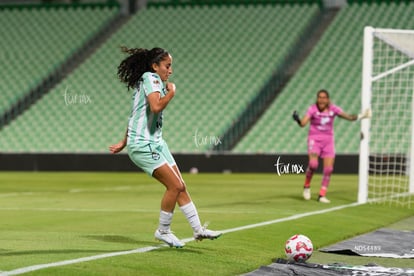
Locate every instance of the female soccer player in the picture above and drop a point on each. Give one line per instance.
(147, 72)
(321, 143)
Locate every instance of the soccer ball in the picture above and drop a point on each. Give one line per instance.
(298, 248)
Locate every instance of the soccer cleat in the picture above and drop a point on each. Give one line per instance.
(205, 233)
(306, 193)
(323, 199)
(169, 238)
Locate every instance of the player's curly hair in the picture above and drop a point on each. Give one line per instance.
(138, 62)
(323, 91)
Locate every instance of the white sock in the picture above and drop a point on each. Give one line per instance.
(190, 212)
(165, 220)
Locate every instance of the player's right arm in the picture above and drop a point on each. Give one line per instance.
(301, 122)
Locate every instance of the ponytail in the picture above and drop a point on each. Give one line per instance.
(138, 62)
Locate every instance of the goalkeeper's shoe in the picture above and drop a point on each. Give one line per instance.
(306, 193)
(204, 233)
(323, 199)
(169, 238)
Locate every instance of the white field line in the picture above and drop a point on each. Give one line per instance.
(27, 269)
(298, 216)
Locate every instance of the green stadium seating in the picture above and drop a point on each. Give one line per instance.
(334, 64)
(35, 41)
(222, 56)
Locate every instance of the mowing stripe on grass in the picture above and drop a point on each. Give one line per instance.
(80, 210)
(150, 248)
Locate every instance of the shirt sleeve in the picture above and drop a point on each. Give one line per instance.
(310, 111)
(152, 83)
(337, 110)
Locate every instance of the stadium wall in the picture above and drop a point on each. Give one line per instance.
(218, 163)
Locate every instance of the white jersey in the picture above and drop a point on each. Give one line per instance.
(144, 126)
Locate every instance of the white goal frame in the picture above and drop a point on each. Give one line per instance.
(367, 79)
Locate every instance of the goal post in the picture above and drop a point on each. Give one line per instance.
(386, 152)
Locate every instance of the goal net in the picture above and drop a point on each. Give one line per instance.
(386, 173)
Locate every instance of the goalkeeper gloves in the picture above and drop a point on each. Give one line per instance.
(295, 116)
(366, 114)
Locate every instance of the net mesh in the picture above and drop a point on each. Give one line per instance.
(391, 123)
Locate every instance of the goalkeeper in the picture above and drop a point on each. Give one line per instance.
(321, 143)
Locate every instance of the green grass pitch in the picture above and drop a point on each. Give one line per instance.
(52, 217)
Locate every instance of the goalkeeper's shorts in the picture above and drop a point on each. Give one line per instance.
(323, 147)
